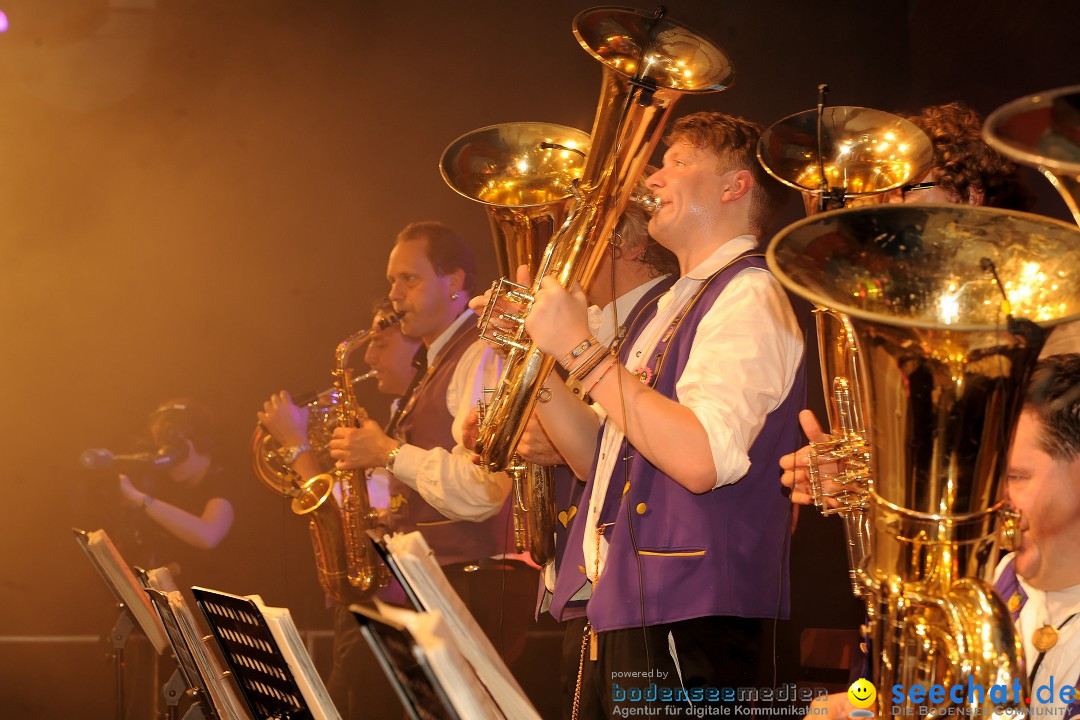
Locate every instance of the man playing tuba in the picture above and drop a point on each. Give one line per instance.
(700, 403)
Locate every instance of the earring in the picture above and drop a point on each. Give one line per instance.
(454, 296)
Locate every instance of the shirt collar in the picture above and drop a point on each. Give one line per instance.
(721, 257)
(440, 342)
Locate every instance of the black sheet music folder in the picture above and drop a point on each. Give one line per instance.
(406, 666)
(388, 559)
(185, 661)
(253, 655)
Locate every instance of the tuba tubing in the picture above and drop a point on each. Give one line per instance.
(632, 112)
(946, 364)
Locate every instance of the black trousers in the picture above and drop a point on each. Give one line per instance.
(635, 668)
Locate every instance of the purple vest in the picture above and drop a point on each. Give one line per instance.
(427, 423)
(723, 552)
(1007, 587)
(568, 489)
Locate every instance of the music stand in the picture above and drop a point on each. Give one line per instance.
(261, 669)
(395, 569)
(406, 666)
(134, 606)
(187, 667)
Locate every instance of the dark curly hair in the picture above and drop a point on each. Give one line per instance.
(1054, 394)
(965, 162)
(734, 140)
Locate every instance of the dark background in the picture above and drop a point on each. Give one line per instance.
(197, 198)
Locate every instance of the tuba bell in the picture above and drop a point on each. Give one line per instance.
(862, 154)
(523, 174)
(1043, 131)
(649, 62)
(344, 558)
(943, 301)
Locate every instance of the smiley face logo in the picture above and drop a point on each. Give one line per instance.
(862, 693)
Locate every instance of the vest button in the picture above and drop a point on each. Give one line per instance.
(641, 508)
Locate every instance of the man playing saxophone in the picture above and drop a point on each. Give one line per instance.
(459, 508)
(702, 401)
(390, 354)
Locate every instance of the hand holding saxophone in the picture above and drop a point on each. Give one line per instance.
(285, 420)
(366, 446)
(558, 320)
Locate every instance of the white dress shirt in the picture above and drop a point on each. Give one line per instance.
(1062, 662)
(447, 479)
(602, 324)
(742, 365)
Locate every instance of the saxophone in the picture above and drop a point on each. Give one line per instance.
(344, 558)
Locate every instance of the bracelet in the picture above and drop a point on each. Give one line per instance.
(574, 354)
(575, 367)
(589, 365)
(147, 501)
(592, 387)
(389, 464)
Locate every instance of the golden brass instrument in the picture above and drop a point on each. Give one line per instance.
(269, 465)
(523, 173)
(864, 154)
(344, 559)
(945, 367)
(1043, 131)
(649, 62)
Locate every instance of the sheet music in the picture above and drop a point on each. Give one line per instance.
(455, 674)
(291, 645)
(216, 683)
(119, 576)
(417, 562)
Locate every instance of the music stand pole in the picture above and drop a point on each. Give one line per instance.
(121, 631)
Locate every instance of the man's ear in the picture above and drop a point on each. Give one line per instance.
(975, 195)
(455, 281)
(738, 185)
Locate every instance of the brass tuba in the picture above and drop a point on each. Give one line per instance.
(523, 173)
(862, 153)
(649, 62)
(344, 559)
(943, 301)
(1043, 131)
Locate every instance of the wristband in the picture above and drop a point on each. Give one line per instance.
(574, 354)
(147, 501)
(591, 363)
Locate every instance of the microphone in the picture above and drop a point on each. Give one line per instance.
(164, 458)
